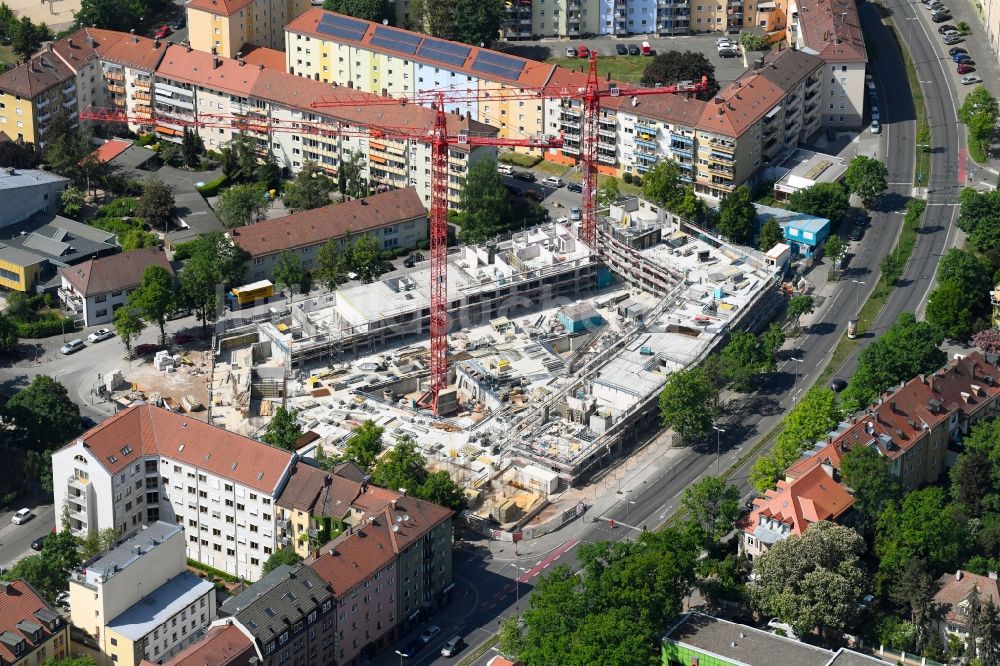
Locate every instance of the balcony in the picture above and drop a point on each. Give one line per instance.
(70, 103)
(682, 149)
(716, 156)
(723, 146)
(114, 76)
(42, 104)
(44, 117)
(715, 168)
(78, 484)
(606, 159)
(69, 90)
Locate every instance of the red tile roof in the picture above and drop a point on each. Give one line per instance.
(40, 73)
(957, 591)
(220, 7)
(181, 63)
(902, 417)
(21, 604)
(358, 553)
(318, 225)
(109, 150)
(813, 497)
(318, 492)
(148, 430)
(833, 30)
(221, 646)
(534, 73)
(114, 272)
(121, 48)
(255, 56)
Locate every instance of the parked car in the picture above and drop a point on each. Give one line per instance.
(72, 347)
(452, 646)
(552, 181)
(646, 49)
(941, 18)
(875, 127)
(63, 600)
(21, 517)
(575, 215)
(857, 233)
(412, 260)
(575, 187)
(429, 633)
(505, 169)
(728, 53)
(945, 28)
(163, 32)
(965, 69)
(570, 52)
(582, 51)
(411, 650)
(837, 384)
(971, 79)
(534, 195)
(39, 543)
(950, 33)
(964, 59)
(179, 22)
(952, 39)
(100, 335)
(633, 49)
(526, 176)
(956, 49)
(514, 192)
(875, 113)
(621, 49)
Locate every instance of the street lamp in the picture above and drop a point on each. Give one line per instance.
(400, 653)
(857, 295)
(718, 447)
(796, 360)
(517, 586)
(626, 514)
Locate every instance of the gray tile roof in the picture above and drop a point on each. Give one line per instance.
(275, 602)
(61, 240)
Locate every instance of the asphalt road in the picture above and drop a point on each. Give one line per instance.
(15, 540)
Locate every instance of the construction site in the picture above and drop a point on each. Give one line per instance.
(555, 354)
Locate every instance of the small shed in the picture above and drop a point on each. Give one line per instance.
(580, 317)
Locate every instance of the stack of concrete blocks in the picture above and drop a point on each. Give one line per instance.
(114, 380)
(164, 362)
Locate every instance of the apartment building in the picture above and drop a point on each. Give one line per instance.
(374, 58)
(224, 644)
(98, 287)
(316, 504)
(27, 192)
(288, 614)
(396, 218)
(139, 601)
(832, 29)
(957, 598)
(146, 463)
(32, 633)
(32, 93)
(913, 425)
(225, 26)
(388, 571)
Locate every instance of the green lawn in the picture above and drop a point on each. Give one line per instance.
(622, 68)
(7, 56)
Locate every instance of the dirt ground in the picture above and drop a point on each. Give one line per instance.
(57, 14)
(186, 380)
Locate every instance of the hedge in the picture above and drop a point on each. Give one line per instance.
(146, 139)
(520, 159)
(45, 328)
(183, 251)
(424, 245)
(204, 568)
(400, 251)
(212, 187)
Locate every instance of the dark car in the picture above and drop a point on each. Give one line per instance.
(965, 69)
(963, 59)
(534, 195)
(941, 18)
(955, 50)
(415, 646)
(952, 39)
(179, 22)
(39, 543)
(621, 49)
(87, 422)
(857, 233)
(575, 187)
(526, 176)
(837, 384)
(411, 260)
(514, 192)
(831, 134)
(945, 28)
(861, 220)
(633, 49)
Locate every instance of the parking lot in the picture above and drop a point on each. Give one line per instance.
(726, 69)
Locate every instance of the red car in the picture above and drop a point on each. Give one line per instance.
(163, 32)
(966, 69)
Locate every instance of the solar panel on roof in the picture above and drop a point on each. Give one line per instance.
(397, 40)
(491, 62)
(402, 47)
(342, 27)
(441, 51)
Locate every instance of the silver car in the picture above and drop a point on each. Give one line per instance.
(72, 347)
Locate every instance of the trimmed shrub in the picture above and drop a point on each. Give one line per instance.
(45, 327)
(519, 159)
(212, 187)
(400, 252)
(627, 177)
(424, 245)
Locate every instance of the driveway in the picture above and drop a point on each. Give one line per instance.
(193, 212)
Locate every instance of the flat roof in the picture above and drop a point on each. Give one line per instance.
(742, 644)
(805, 167)
(11, 178)
(123, 555)
(165, 601)
(790, 217)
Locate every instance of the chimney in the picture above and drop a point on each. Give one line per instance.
(90, 41)
(992, 575)
(216, 62)
(261, 66)
(239, 58)
(187, 45)
(5, 587)
(892, 406)
(156, 43)
(214, 51)
(135, 40)
(350, 84)
(403, 491)
(70, 42)
(958, 575)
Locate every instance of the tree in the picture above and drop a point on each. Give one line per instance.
(511, 639)
(713, 505)
(770, 235)
(737, 215)
(239, 159)
(608, 193)
(364, 445)
(72, 201)
(280, 557)
(333, 261)
(19, 154)
(48, 571)
(27, 37)
(310, 189)
(65, 146)
(980, 112)
(288, 272)
(971, 482)
(744, 357)
(242, 204)
(811, 580)
(432, 18)
(923, 527)
(662, 185)
(753, 42)
(402, 467)
(72, 661)
(686, 403)
(95, 543)
(798, 306)
(156, 205)
(964, 267)
(192, 147)
(866, 472)
(913, 589)
(485, 204)
(171, 153)
(866, 177)
(907, 348)
(977, 216)
(772, 339)
(477, 21)
(109, 14)
(985, 632)
(351, 179)
(283, 430)
(375, 11)
(365, 260)
(200, 282)
(43, 415)
(154, 297)
(834, 247)
(441, 490)
(8, 334)
(672, 66)
(128, 325)
(957, 310)
(827, 200)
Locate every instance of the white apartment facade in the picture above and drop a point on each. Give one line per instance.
(146, 464)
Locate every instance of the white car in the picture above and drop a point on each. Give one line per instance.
(21, 517)
(429, 633)
(505, 169)
(552, 181)
(875, 127)
(100, 334)
(575, 215)
(72, 346)
(970, 79)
